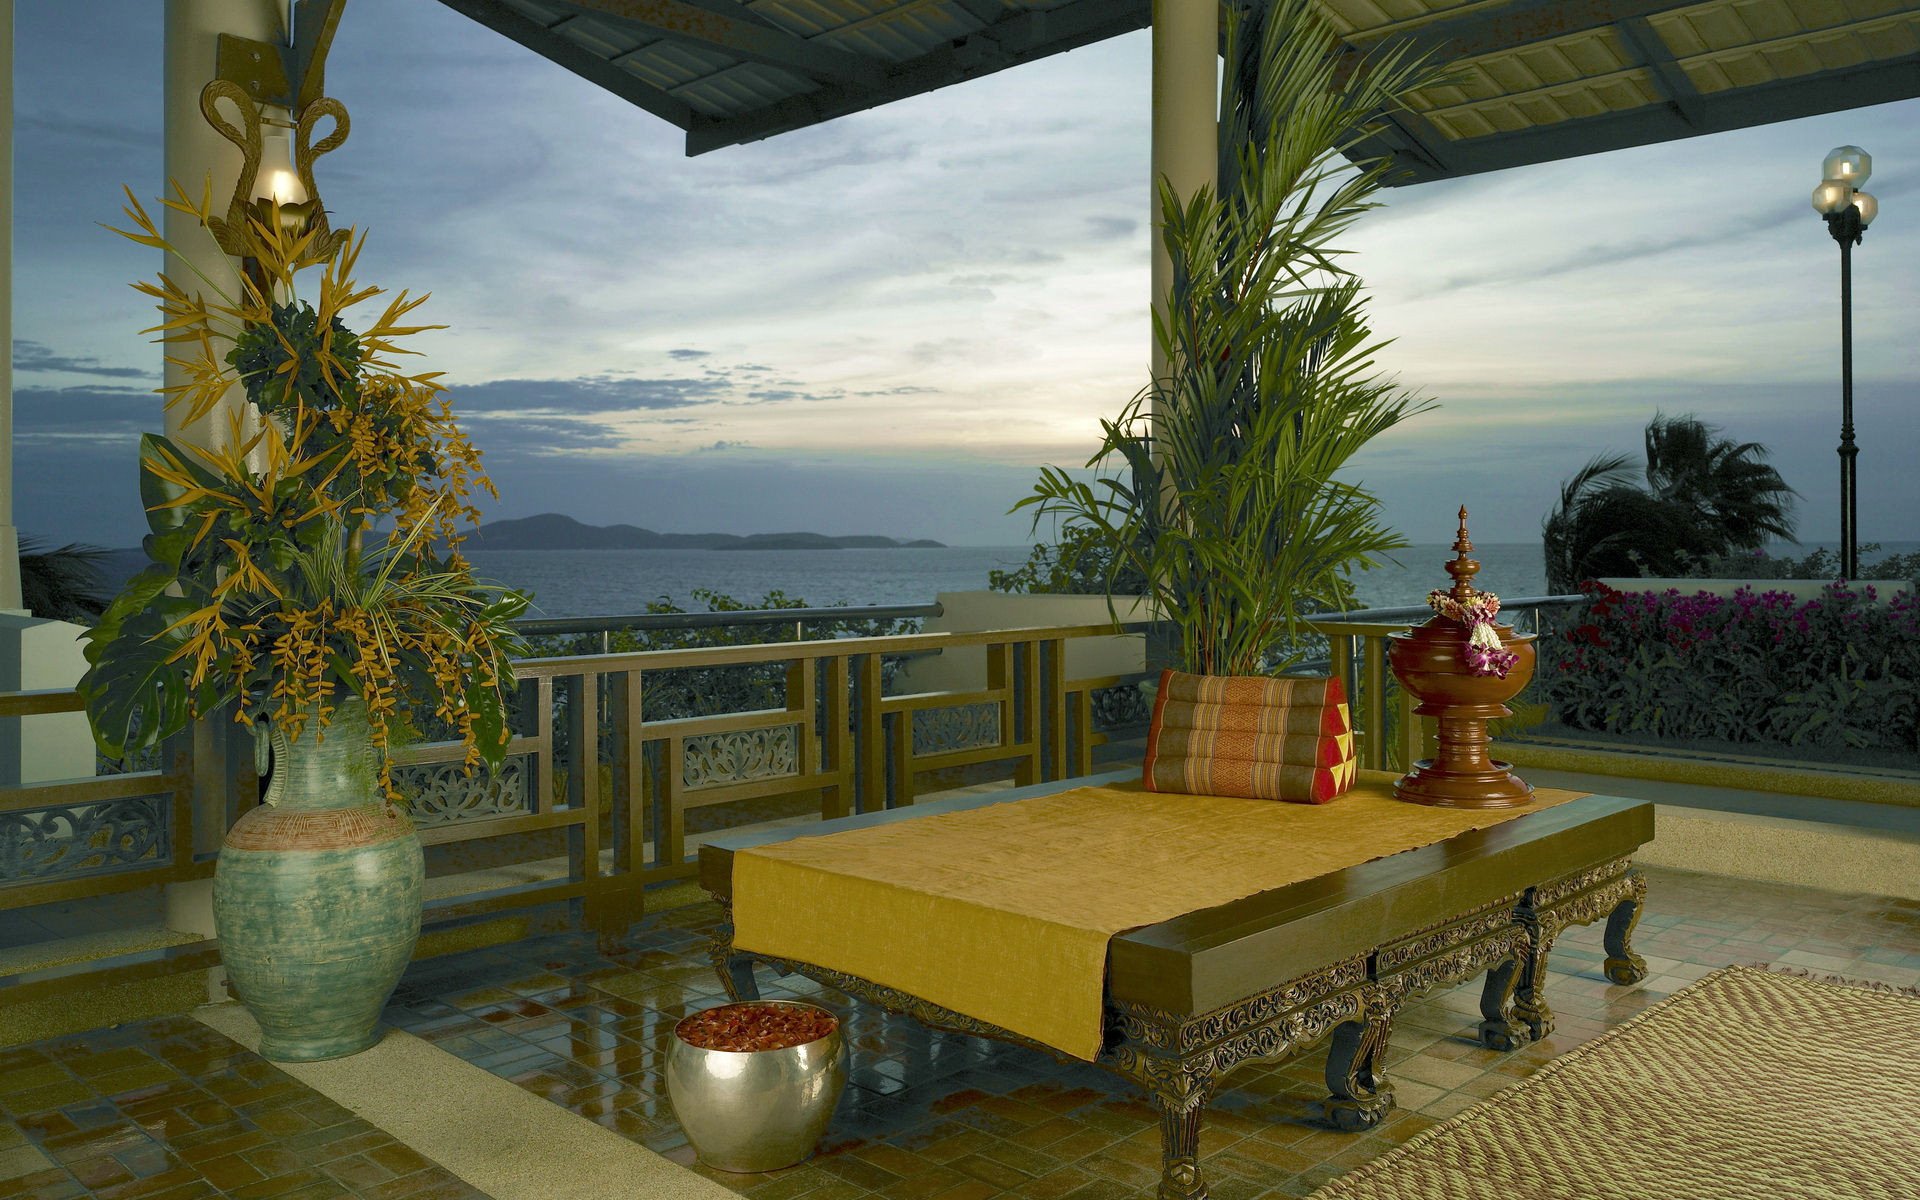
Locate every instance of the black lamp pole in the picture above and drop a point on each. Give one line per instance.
(1846, 229)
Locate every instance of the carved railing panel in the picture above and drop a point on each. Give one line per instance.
(956, 727)
(1119, 707)
(444, 793)
(741, 756)
(67, 841)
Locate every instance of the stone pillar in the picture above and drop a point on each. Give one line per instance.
(9, 536)
(193, 152)
(1186, 125)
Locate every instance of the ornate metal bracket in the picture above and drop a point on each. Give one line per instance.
(254, 74)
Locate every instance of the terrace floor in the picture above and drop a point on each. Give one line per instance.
(170, 1109)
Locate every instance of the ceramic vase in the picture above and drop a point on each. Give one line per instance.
(316, 896)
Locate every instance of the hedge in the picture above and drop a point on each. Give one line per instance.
(1840, 671)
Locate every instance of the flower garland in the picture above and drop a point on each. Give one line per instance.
(1485, 653)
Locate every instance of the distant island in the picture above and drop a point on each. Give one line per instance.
(555, 531)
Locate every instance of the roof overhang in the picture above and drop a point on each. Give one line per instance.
(728, 74)
(1537, 80)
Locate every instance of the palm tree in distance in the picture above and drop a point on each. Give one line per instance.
(63, 584)
(1704, 496)
(1728, 484)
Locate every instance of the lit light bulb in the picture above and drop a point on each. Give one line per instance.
(285, 188)
(1868, 206)
(276, 179)
(1848, 164)
(1831, 197)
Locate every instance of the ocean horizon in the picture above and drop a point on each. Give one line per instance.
(603, 583)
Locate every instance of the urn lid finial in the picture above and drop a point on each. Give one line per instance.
(1462, 567)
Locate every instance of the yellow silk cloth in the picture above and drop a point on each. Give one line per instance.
(1003, 913)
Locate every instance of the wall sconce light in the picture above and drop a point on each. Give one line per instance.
(260, 81)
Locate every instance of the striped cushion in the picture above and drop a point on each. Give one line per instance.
(1253, 736)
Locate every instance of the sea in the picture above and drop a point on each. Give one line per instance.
(594, 583)
(598, 583)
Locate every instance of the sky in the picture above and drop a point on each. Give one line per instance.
(888, 323)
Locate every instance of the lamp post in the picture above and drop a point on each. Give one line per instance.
(1848, 212)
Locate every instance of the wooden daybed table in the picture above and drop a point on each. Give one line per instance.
(1270, 976)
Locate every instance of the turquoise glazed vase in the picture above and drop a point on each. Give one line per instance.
(316, 897)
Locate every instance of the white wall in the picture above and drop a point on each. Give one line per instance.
(965, 669)
(39, 655)
(1799, 589)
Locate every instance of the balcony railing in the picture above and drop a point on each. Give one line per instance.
(1391, 737)
(600, 788)
(593, 804)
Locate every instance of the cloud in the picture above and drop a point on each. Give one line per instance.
(505, 436)
(685, 355)
(1108, 229)
(104, 132)
(588, 394)
(725, 445)
(1615, 253)
(790, 396)
(116, 415)
(35, 358)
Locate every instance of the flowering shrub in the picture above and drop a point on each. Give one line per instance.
(1756, 667)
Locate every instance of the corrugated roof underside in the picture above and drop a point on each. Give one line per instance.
(717, 84)
(1718, 46)
(1585, 64)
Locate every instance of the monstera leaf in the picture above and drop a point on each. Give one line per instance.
(135, 696)
(161, 497)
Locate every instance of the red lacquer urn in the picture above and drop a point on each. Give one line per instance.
(1432, 662)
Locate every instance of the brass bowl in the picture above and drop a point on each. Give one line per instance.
(757, 1110)
(1430, 662)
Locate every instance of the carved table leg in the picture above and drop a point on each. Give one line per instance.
(1500, 1030)
(1180, 1147)
(1530, 999)
(1623, 966)
(735, 970)
(1361, 1097)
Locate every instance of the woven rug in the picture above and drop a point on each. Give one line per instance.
(1748, 1085)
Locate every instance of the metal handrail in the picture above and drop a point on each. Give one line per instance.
(1410, 612)
(798, 617)
(890, 612)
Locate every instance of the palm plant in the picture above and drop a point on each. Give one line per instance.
(1225, 499)
(1729, 484)
(63, 583)
(1704, 496)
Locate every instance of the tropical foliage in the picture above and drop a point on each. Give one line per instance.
(1840, 671)
(61, 584)
(313, 552)
(1703, 497)
(1079, 563)
(1218, 486)
(1820, 563)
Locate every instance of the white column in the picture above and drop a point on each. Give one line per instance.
(1186, 51)
(9, 536)
(193, 30)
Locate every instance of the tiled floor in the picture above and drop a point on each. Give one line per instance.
(170, 1110)
(170, 1104)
